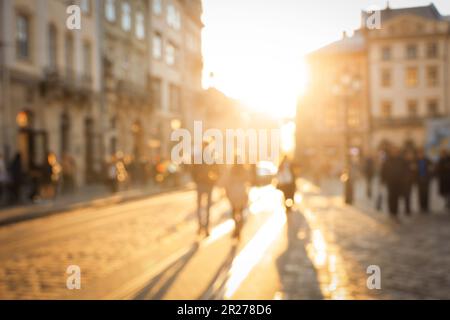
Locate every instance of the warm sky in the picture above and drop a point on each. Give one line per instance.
(255, 47)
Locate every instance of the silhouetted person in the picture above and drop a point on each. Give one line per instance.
(68, 173)
(369, 172)
(424, 175)
(16, 175)
(443, 175)
(4, 179)
(408, 179)
(286, 182)
(236, 190)
(392, 174)
(205, 177)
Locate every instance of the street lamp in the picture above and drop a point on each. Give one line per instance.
(347, 87)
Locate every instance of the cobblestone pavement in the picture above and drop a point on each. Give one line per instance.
(34, 255)
(148, 249)
(342, 242)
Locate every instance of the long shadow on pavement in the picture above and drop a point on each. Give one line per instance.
(299, 279)
(217, 285)
(160, 284)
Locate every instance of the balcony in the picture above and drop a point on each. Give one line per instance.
(380, 123)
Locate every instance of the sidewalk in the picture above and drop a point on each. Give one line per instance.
(334, 187)
(89, 196)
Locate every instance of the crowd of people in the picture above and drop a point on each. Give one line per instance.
(236, 179)
(43, 182)
(400, 171)
(21, 183)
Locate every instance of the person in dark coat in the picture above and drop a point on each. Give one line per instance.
(369, 172)
(408, 179)
(205, 177)
(392, 173)
(443, 176)
(424, 174)
(16, 174)
(286, 182)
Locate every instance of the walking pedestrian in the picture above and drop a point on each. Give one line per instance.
(4, 179)
(112, 175)
(369, 172)
(424, 175)
(392, 173)
(286, 182)
(49, 177)
(443, 175)
(236, 189)
(16, 175)
(408, 179)
(68, 173)
(205, 177)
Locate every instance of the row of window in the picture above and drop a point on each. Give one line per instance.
(411, 77)
(411, 51)
(412, 106)
(23, 47)
(126, 17)
(173, 17)
(171, 50)
(174, 95)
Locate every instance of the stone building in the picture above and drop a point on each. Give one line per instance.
(408, 60)
(330, 103)
(404, 74)
(127, 105)
(50, 84)
(175, 68)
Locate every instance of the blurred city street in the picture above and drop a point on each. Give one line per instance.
(149, 249)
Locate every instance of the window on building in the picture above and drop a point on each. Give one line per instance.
(386, 53)
(140, 25)
(110, 10)
(412, 77)
(412, 108)
(69, 57)
(157, 46)
(87, 59)
(432, 76)
(157, 7)
(386, 109)
(432, 50)
(411, 51)
(126, 16)
(433, 108)
(85, 6)
(52, 47)
(173, 17)
(23, 37)
(170, 54)
(156, 93)
(385, 78)
(174, 98)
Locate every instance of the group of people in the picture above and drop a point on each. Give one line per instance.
(236, 180)
(19, 182)
(402, 170)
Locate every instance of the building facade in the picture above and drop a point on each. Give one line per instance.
(119, 85)
(50, 84)
(404, 73)
(409, 73)
(334, 113)
(175, 68)
(127, 104)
